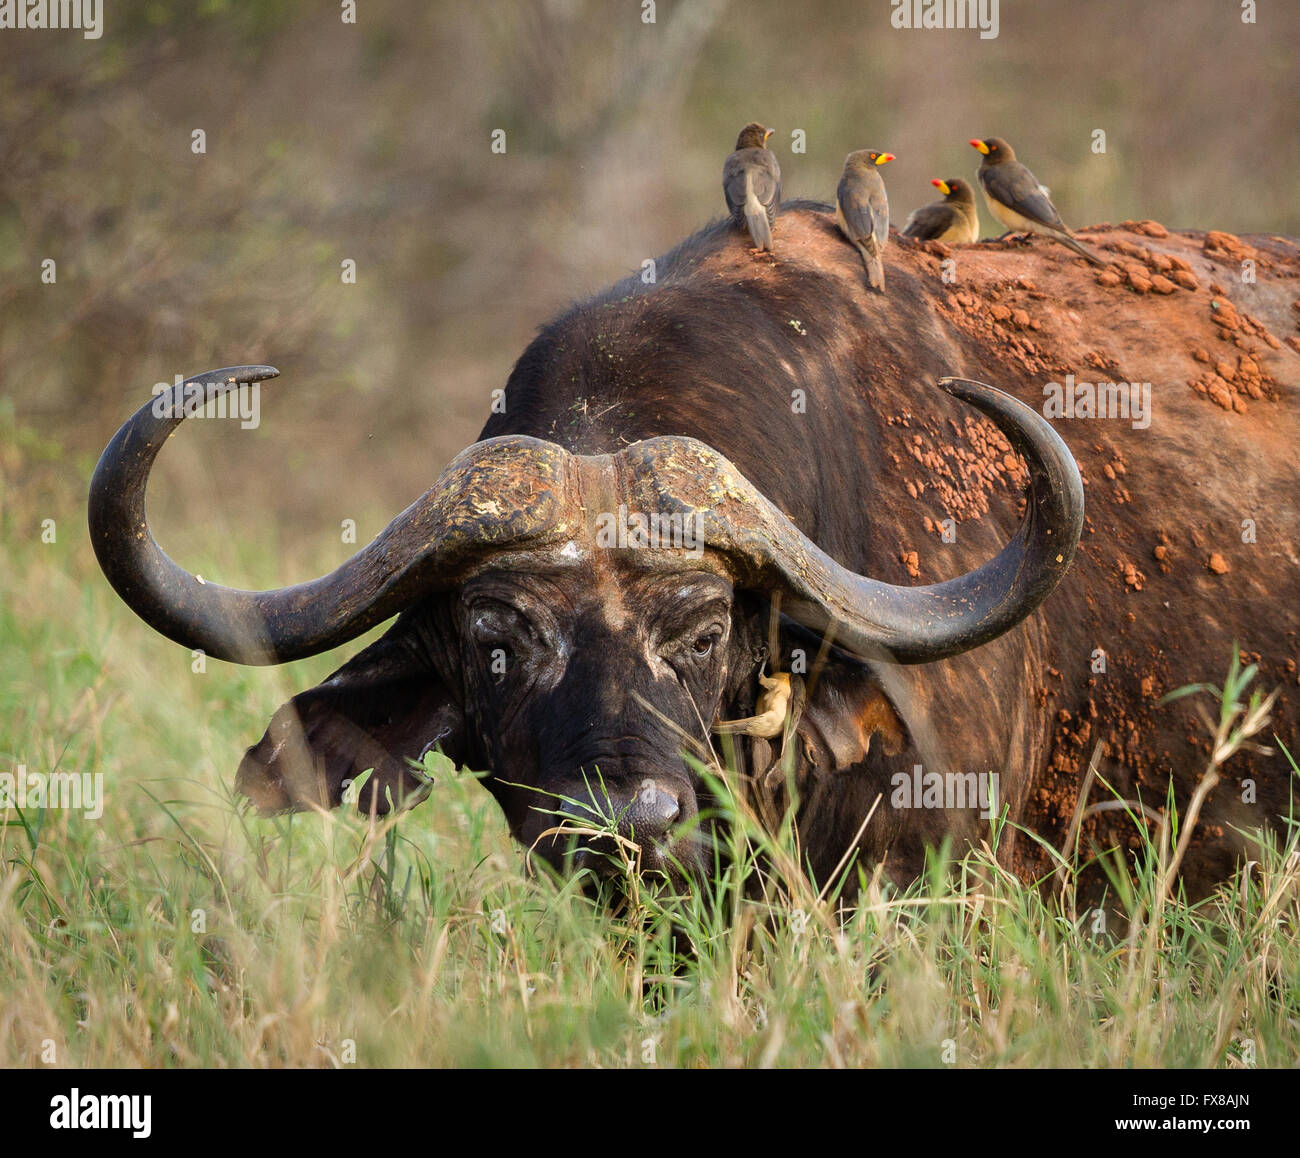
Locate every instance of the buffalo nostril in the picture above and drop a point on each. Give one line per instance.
(650, 813)
(656, 801)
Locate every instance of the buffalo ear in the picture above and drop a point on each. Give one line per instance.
(378, 709)
(847, 716)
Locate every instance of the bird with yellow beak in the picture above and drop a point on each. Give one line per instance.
(954, 218)
(1015, 197)
(751, 183)
(862, 210)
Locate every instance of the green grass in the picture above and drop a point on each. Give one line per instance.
(177, 930)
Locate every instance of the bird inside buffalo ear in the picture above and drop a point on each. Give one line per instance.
(379, 709)
(831, 721)
(842, 741)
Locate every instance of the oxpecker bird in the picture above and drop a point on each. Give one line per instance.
(862, 210)
(954, 218)
(1016, 198)
(751, 182)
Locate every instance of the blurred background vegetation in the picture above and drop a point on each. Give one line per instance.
(328, 141)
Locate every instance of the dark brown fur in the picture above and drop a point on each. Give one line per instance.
(716, 349)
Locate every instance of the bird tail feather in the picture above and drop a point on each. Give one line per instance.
(1081, 249)
(760, 229)
(875, 268)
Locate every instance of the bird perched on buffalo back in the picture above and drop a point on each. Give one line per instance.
(1016, 198)
(751, 183)
(862, 210)
(954, 218)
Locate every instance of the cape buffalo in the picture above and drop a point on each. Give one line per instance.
(745, 470)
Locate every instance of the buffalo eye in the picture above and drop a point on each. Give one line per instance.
(498, 657)
(704, 644)
(501, 636)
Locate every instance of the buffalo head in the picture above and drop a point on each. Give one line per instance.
(577, 625)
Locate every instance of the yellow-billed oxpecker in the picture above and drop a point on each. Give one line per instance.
(1016, 198)
(862, 210)
(954, 218)
(751, 182)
